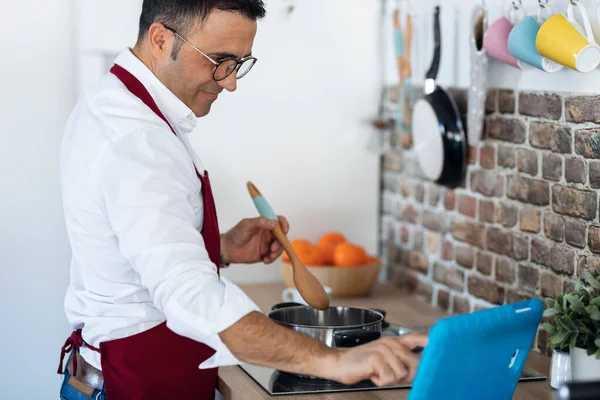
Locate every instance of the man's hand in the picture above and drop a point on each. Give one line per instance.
(252, 241)
(385, 361)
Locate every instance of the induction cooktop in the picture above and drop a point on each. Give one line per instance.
(279, 383)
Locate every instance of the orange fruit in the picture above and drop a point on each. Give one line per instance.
(328, 243)
(298, 245)
(348, 255)
(308, 253)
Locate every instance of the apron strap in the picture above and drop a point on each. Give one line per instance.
(136, 87)
(73, 342)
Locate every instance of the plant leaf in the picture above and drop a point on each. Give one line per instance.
(549, 301)
(594, 283)
(595, 301)
(572, 326)
(574, 299)
(578, 285)
(591, 350)
(559, 337)
(597, 342)
(595, 316)
(573, 341)
(564, 303)
(558, 303)
(598, 355)
(576, 303)
(562, 325)
(592, 309)
(587, 275)
(550, 312)
(550, 328)
(584, 295)
(584, 341)
(581, 327)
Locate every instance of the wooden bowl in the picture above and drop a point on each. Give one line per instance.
(354, 281)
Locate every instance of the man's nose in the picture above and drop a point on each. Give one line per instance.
(229, 83)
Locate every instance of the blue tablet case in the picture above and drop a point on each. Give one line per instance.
(477, 356)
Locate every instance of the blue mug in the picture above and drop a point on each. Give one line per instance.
(522, 45)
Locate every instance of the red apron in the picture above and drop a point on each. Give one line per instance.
(158, 363)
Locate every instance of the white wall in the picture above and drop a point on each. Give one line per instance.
(455, 63)
(38, 90)
(297, 120)
(294, 126)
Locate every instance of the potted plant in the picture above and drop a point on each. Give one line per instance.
(574, 327)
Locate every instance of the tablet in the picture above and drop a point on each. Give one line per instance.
(477, 356)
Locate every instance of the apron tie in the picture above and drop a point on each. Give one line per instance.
(73, 342)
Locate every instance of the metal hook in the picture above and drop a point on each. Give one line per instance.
(574, 2)
(515, 5)
(543, 3)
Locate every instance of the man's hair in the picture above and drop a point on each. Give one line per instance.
(182, 15)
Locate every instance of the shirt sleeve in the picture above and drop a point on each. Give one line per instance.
(145, 178)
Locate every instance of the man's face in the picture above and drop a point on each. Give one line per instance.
(222, 35)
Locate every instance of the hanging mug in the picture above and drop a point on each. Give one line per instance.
(522, 40)
(560, 39)
(495, 39)
(594, 13)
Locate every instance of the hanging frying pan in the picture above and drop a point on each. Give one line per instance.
(439, 138)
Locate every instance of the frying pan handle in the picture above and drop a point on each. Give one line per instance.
(435, 63)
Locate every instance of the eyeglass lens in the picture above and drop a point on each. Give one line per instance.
(227, 67)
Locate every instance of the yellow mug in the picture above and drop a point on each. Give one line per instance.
(559, 40)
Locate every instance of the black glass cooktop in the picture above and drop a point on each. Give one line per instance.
(279, 383)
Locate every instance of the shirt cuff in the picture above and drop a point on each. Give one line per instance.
(237, 305)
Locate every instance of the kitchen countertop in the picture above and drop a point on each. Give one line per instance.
(401, 308)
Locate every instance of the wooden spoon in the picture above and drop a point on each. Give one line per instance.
(308, 286)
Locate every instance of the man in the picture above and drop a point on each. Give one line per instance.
(152, 317)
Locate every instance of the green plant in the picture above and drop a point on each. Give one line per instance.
(575, 316)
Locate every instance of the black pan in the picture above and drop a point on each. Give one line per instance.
(440, 140)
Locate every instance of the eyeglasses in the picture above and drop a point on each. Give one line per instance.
(225, 67)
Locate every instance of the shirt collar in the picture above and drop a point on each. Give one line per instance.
(179, 115)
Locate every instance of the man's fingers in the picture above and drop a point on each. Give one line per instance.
(382, 372)
(267, 223)
(250, 224)
(412, 340)
(396, 364)
(275, 246)
(404, 352)
(285, 226)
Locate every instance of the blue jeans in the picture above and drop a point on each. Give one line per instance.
(69, 393)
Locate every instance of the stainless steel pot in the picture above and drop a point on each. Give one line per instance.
(335, 326)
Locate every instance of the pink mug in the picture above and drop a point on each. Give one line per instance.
(495, 43)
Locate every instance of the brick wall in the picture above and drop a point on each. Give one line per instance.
(524, 222)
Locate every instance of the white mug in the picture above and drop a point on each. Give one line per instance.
(594, 15)
(292, 295)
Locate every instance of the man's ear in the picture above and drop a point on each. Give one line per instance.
(160, 41)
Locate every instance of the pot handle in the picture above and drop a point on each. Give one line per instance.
(351, 339)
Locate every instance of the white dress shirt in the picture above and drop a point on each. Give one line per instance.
(133, 211)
